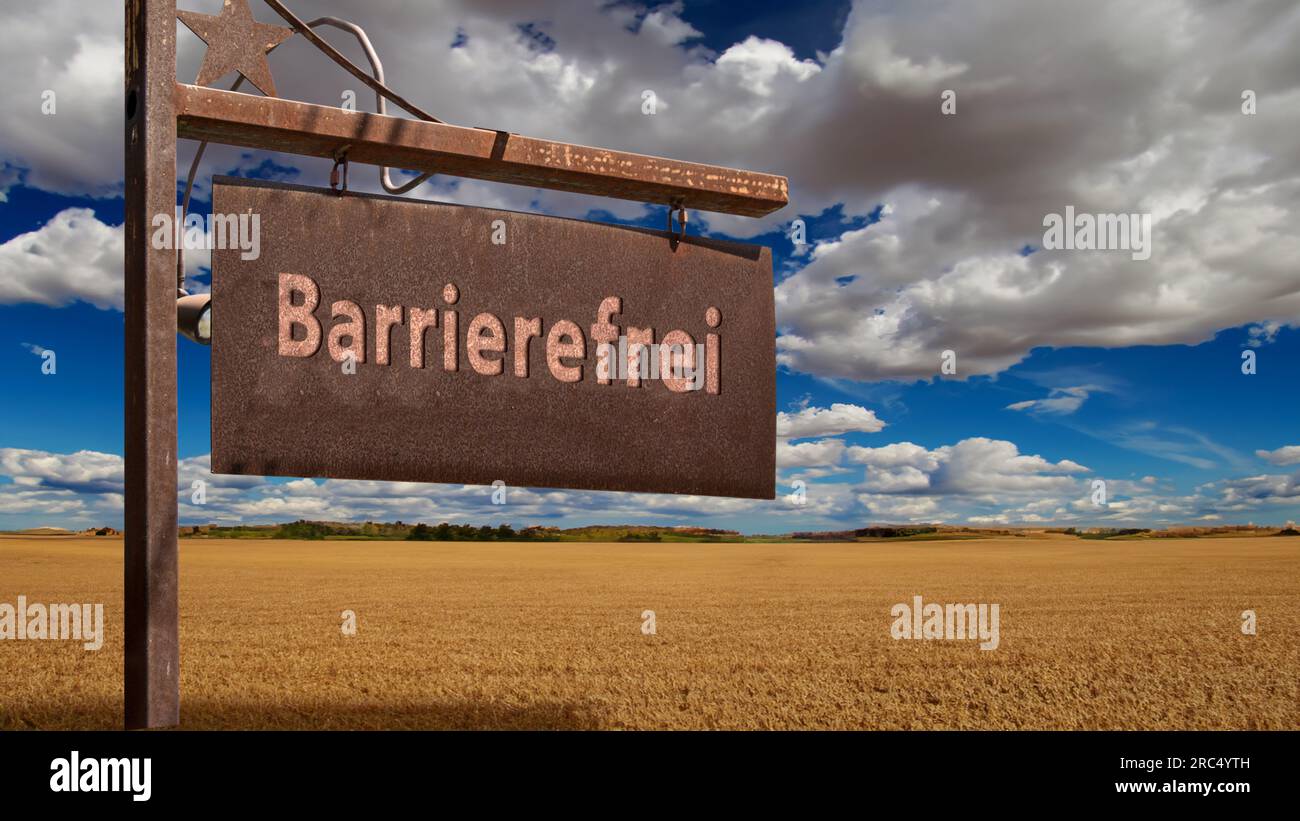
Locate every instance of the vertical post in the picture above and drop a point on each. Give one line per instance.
(152, 677)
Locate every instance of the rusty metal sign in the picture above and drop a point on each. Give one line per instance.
(371, 337)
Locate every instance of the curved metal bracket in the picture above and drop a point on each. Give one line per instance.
(381, 104)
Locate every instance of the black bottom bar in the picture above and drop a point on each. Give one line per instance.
(333, 770)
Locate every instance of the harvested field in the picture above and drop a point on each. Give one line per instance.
(1093, 634)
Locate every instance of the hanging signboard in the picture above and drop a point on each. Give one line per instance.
(369, 337)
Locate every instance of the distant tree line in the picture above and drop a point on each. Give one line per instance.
(877, 532)
(444, 532)
(894, 532)
(1109, 533)
(468, 533)
(305, 530)
(650, 536)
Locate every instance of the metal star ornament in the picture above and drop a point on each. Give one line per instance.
(236, 42)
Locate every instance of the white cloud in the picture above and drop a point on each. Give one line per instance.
(975, 480)
(1060, 401)
(899, 454)
(902, 479)
(838, 419)
(72, 257)
(757, 66)
(84, 471)
(1287, 455)
(75, 51)
(1097, 109)
(912, 508)
(974, 467)
(820, 453)
(1251, 490)
(1038, 127)
(664, 24)
(91, 484)
(64, 504)
(1263, 334)
(824, 456)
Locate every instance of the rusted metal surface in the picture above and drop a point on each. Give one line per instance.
(152, 668)
(300, 128)
(236, 42)
(497, 384)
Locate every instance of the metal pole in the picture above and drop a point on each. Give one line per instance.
(152, 670)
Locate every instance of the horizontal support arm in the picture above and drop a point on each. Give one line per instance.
(274, 124)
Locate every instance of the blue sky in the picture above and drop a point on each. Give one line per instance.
(1067, 371)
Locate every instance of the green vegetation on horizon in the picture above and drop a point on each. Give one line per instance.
(447, 532)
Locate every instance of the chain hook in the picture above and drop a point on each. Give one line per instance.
(675, 237)
(340, 159)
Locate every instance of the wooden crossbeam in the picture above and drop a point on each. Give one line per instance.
(274, 124)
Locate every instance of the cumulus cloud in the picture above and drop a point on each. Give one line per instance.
(85, 471)
(1262, 334)
(76, 149)
(1287, 455)
(89, 485)
(1042, 122)
(899, 454)
(1239, 493)
(824, 455)
(72, 257)
(820, 453)
(76, 488)
(911, 508)
(979, 481)
(1034, 132)
(66, 505)
(838, 419)
(975, 466)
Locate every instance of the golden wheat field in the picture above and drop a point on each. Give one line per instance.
(1121, 634)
